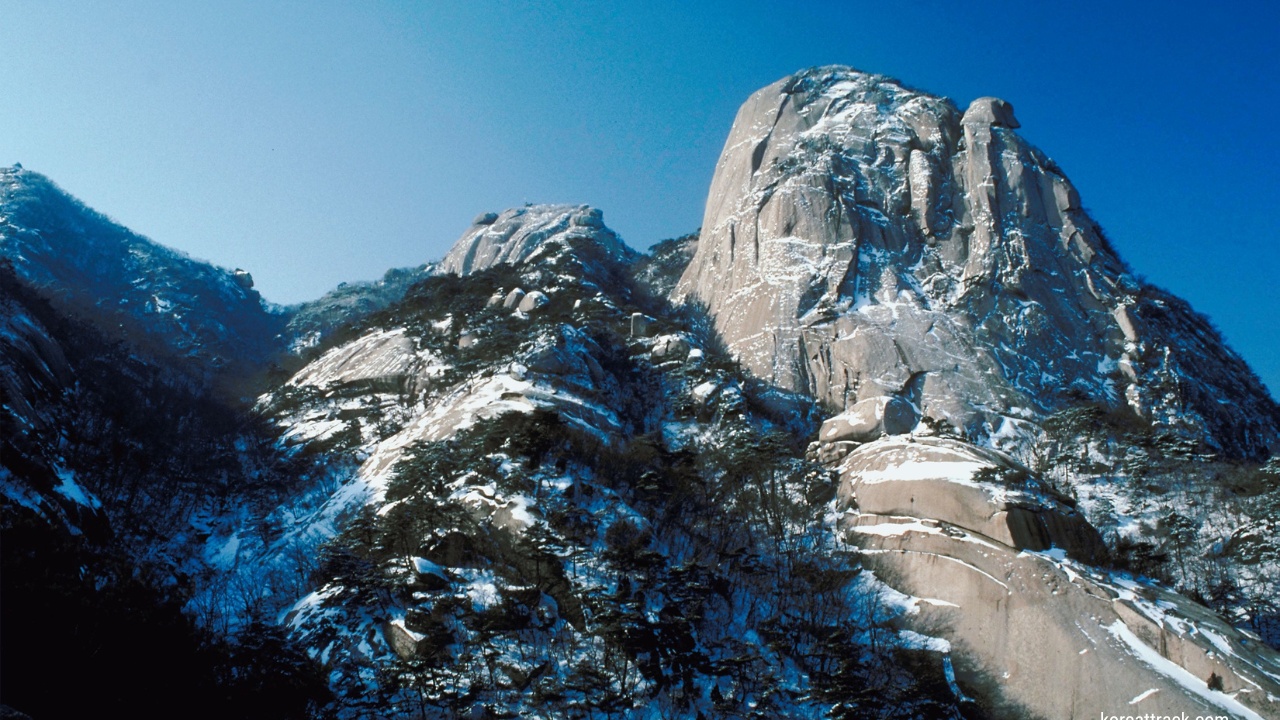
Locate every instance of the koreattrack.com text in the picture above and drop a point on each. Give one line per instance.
(1155, 716)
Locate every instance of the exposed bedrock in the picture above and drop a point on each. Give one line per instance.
(869, 420)
(381, 361)
(1007, 573)
(519, 234)
(863, 239)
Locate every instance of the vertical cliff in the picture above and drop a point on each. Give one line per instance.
(863, 239)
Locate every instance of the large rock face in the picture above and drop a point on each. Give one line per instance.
(863, 239)
(1001, 569)
(962, 485)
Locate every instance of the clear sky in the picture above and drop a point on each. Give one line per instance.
(316, 142)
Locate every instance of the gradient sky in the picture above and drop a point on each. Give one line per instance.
(316, 142)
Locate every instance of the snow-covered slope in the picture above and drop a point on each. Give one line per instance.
(158, 299)
(34, 377)
(521, 482)
(546, 512)
(108, 462)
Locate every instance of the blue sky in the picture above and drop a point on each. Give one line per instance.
(316, 142)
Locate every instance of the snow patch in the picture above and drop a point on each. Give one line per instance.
(1144, 696)
(1177, 673)
(72, 491)
(915, 641)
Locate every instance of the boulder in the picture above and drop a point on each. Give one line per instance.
(485, 218)
(670, 347)
(641, 325)
(870, 419)
(405, 643)
(428, 575)
(532, 301)
(990, 111)
(518, 371)
(1124, 321)
(513, 299)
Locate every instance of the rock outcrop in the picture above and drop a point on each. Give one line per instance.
(869, 420)
(1006, 573)
(863, 239)
(382, 361)
(517, 235)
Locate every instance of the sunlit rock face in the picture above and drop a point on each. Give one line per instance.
(1014, 579)
(863, 239)
(521, 234)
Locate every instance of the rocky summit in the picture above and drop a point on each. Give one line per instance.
(863, 239)
(895, 434)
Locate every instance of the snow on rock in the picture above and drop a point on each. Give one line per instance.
(222, 552)
(449, 413)
(383, 359)
(670, 347)
(1004, 565)
(1175, 672)
(703, 391)
(532, 301)
(71, 490)
(966, 486)
(424, 566)
(864, 239)
(521, 234)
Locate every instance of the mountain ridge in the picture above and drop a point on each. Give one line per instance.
(160, 300)
(522, 479)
